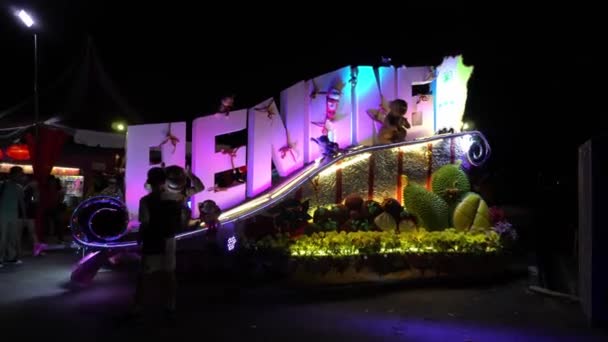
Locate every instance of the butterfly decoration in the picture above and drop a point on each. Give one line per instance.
(170, 138)
(227, 104)
(216, 189)
(270, 109)
(422, 98)
(287, 149)
(236, 172)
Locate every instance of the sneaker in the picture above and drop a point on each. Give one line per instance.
(38, 248)
(15, 262)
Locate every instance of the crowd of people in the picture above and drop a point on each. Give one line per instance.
(162, 213)
(20, 206)
(19, 200)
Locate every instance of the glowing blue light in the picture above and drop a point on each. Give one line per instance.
(366, 80)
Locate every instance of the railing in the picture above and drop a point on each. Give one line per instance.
(480, 150)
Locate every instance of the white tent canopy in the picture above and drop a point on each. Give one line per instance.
(99, 139)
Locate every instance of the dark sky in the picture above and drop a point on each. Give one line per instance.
(173, 61)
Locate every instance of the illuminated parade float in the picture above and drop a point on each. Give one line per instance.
(319, 187)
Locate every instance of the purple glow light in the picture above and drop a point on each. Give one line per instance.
(206, 161)
(267, 135)
(90, 224)
(140, 139)
(231, 244)
(87, 258)
(85, 228)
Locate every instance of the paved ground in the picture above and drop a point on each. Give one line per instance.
(35, 302)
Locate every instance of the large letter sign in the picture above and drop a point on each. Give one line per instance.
(149, 146)
(206, 161)
(334, 104)
(268, 142)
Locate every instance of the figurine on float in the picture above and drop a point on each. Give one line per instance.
(328, 148)
(226, 104)
(332, 101)
(392, 118)
(210, 215)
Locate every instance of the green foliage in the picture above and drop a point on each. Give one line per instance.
(329, 226)
(361, 225)
(373, 208)
(431, 210)
(340, 244)
(269, 243)
(335, 212)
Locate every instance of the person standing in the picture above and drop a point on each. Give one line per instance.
(112, 190)
(12, 207)
(160, 218)
(55, 208)
(32, 201)
(181, 185)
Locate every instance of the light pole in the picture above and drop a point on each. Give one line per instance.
(27, 20)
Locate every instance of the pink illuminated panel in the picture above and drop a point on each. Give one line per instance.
(340, 127)
(206, 162)
(368, 97)
(268, 143)
(140, 139)
(295, 109)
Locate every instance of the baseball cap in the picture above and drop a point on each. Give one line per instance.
(176, 178)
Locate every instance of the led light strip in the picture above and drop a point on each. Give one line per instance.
(333, 168)
(261, 203)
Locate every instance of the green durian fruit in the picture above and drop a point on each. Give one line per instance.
(450, 183)
(472, 213)
(431, 210)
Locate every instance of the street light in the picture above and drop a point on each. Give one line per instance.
(29, 22)
(119, 126)
(26, 18)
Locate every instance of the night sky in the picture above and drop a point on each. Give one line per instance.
(531, 92)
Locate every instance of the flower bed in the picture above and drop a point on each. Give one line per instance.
(350, 257)
(364, 240)
(337, 244)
